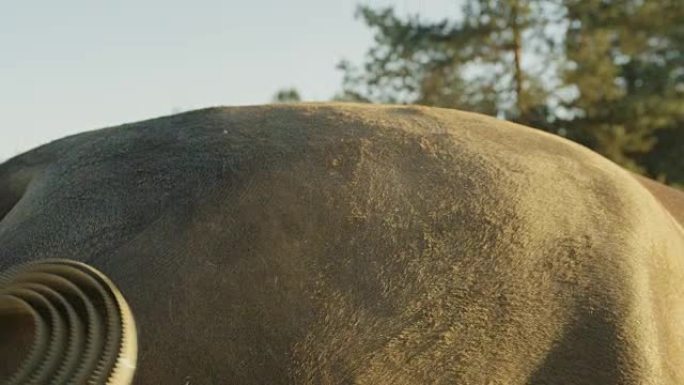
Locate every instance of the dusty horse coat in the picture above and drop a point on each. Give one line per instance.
(350, 244)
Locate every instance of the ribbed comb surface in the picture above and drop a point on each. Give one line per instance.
(64, 322)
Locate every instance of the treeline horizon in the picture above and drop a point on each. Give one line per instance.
(608, 74)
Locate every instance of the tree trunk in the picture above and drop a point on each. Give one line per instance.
(518, 75)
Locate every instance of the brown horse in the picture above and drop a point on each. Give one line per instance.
(355, 244)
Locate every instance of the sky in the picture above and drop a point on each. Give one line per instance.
(77, 65)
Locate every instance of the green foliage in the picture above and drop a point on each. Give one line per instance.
(606, 73)
(287, 95)
(625, 60)
(473, 63)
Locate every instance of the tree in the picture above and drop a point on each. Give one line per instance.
(287, 95)
(476, 62)
(606, 73)
(625, 62)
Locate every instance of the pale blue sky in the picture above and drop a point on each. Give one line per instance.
(75, 65)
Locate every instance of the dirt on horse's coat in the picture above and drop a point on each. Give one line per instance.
(357, 244)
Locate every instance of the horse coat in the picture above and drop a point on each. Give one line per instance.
(357, 244)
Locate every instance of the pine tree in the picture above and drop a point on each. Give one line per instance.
(606, 73)
(480, 62)
(625, 63)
